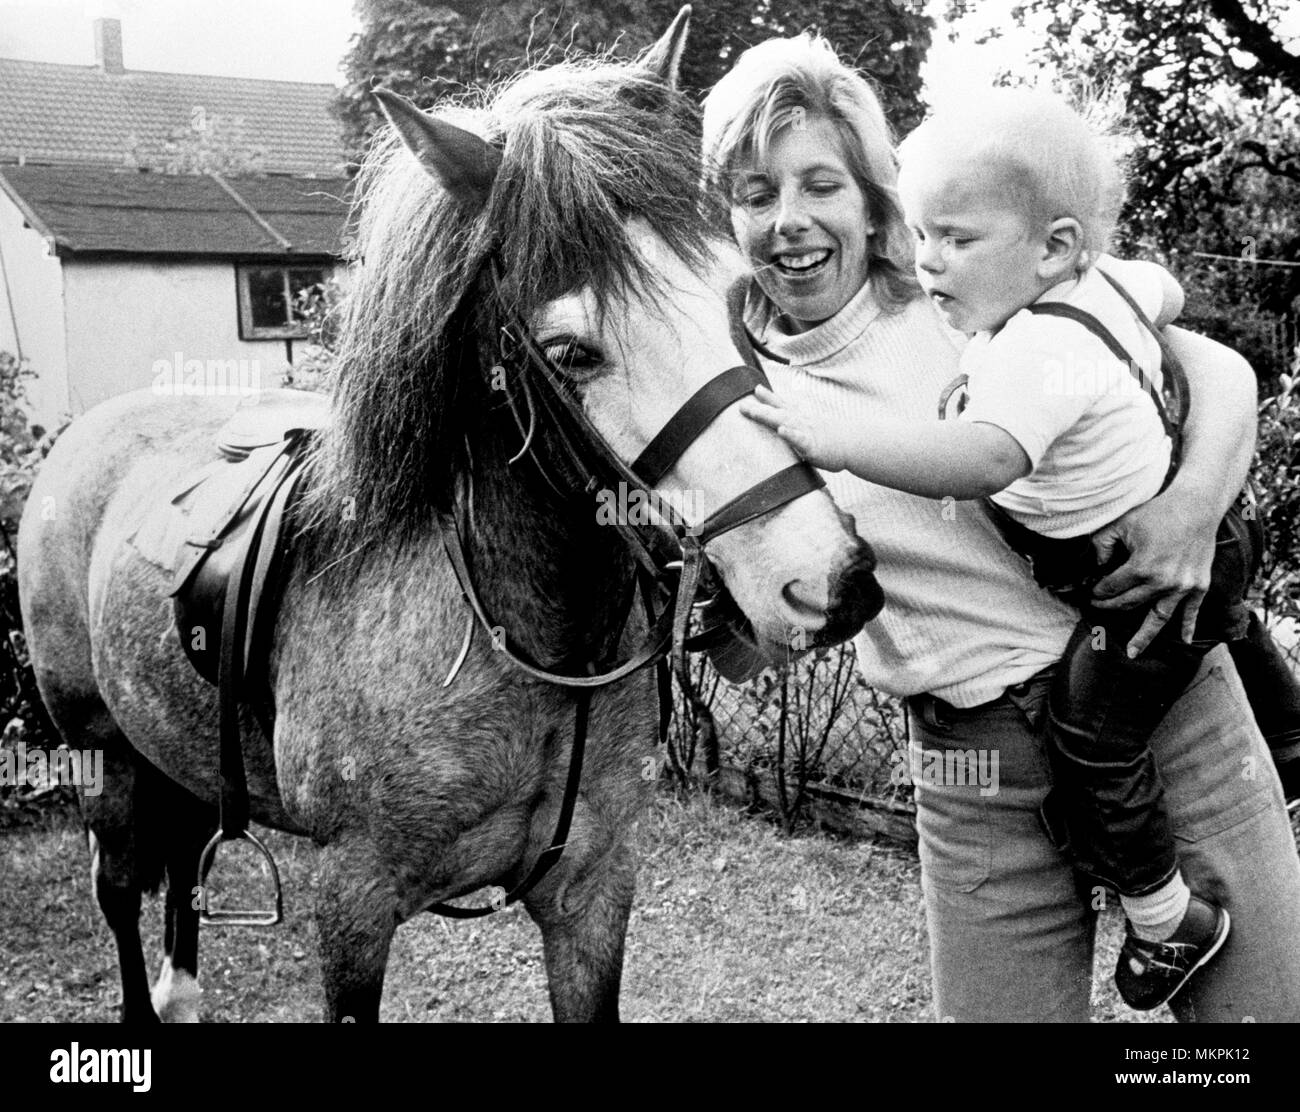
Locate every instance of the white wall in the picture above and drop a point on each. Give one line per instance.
(35, 285)
(125, 316)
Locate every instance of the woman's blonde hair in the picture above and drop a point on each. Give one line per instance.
(789, 82)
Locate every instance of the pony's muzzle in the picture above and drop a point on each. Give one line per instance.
(851, 598)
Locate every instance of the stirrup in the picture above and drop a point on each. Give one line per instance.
(232, 918)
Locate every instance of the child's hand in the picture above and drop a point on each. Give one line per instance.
(793, 426)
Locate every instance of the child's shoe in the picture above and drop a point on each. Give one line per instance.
(1151, 973)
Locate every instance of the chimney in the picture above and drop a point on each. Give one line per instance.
(108, 45)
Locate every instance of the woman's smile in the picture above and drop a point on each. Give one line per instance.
(802, 218)
(802, 264)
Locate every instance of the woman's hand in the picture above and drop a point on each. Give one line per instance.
(1171, 544)
(1172, 537)
(811, 439)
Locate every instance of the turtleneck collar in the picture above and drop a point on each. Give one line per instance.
(818, 343)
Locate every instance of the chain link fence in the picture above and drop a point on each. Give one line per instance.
(810, 740)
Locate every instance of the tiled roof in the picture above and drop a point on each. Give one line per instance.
(96, 210)
(79, 114)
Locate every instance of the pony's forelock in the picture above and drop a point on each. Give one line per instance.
(586, 146)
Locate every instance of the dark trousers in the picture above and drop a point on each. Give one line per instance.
(1106, 808)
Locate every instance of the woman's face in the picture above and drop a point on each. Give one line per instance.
(802, 219)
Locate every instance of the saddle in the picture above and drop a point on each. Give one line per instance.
(225, 589)
(236, 509)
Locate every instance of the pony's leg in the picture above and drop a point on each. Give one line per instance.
(356, 915)
(123, 865)
(584, 924)
(176, 992)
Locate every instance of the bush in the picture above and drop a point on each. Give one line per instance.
(22, 447)
(319, 307)
(1278, 482)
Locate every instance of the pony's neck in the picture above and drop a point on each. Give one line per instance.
(548, 573)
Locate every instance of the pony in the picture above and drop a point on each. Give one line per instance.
(568, 201)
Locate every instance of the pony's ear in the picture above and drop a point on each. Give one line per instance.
(461, 162)
(665, 57)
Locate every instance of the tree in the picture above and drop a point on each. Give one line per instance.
(428, 50)
(1211, 94)
(211, 144)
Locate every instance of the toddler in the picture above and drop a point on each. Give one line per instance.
(1070, 410)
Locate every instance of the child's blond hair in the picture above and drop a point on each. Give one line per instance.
(1052, 161)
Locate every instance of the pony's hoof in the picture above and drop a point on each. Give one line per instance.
(176, 995)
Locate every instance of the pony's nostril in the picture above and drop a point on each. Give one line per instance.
(853, 599)
(855, 596)
(806, 604)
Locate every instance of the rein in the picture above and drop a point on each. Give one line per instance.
(671, 557)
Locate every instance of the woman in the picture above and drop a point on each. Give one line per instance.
(800, 150)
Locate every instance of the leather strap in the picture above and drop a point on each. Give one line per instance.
(654, 647)
(233, 804)
(549, 856)
(776, 490)
(700, 410)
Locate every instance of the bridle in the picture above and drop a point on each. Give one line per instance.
(672, 568)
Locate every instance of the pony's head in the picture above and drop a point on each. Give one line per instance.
(569, 200)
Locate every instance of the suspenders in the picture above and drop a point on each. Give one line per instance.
(1173, 401)
(1064, 566)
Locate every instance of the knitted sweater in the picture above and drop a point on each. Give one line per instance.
(963, 619)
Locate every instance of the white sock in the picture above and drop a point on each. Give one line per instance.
(1157, 915)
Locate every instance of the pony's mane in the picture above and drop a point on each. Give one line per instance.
(585, 145)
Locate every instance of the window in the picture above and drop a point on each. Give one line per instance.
(267, 299)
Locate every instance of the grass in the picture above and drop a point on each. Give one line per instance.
(733, 922)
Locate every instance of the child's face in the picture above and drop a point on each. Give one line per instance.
(977, 258)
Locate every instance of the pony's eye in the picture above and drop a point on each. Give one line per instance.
(572, 357)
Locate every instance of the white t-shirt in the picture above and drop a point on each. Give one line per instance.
(963, 618)
(1092, 435)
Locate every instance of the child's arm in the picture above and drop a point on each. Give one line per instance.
(933, 459)
(1151, 285)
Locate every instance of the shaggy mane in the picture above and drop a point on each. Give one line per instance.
(585, 146)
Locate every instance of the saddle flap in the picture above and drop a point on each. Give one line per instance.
(215, 503)
(245, 533)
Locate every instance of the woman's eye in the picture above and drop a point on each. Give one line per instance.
(755, 199)
(823, 188)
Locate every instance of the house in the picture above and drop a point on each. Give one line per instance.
(155, 228)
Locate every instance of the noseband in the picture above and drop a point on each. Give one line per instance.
(672, 566)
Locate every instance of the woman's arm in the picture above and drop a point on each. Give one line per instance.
(1171, 538)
